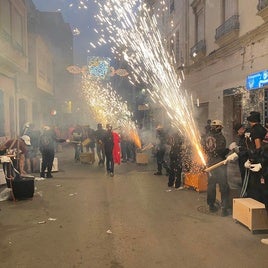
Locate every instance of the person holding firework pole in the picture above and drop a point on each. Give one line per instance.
(215, 148)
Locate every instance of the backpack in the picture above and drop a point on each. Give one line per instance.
(44, 141)
(77, 136)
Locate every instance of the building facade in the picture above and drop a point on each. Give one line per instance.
(33, 64)
(222, 48)
(13, 61)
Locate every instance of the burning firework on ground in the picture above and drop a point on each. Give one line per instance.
(134, 32)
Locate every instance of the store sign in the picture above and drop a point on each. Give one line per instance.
(257, 80)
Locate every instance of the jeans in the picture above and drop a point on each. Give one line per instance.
(218, 175)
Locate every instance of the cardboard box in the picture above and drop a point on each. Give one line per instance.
(250, 213)
(55, 166)
(142, 158)
(198, 181)
(87, 158)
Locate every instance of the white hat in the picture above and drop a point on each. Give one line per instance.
(216, 123)
(26, 139)
(159, 127)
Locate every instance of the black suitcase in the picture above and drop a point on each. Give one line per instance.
(23, 187)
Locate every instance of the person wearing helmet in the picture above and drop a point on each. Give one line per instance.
(215, 147)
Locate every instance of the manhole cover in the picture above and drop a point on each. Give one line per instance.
(205, 209)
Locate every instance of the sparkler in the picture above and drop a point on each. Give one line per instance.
(106, 106)
(137, 35)
(79, 4)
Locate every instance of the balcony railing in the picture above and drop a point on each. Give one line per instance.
(199, 49)
(262, 4)
(230, 25)
(263, 9)
(5, 35)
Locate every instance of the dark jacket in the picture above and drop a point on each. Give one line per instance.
(215, 147)
(47, 141)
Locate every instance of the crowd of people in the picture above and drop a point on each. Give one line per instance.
(171, 151)
(250, 149)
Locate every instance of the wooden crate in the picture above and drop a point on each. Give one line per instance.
(233, 193)
(250, 213)
(142, 158)
(198, 181)
(87, 158)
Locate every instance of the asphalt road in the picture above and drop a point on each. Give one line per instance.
(84, 218)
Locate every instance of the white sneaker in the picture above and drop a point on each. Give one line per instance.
(180, 188)
(265, 241)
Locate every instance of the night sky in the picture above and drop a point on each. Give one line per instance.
(83, 20)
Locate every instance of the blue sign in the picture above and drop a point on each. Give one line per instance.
(257, 80)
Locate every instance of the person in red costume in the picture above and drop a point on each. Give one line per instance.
(116, 149)
(112, 149)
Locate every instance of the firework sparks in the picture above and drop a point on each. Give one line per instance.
(107, 107)
(76, 31)
(79, 4)
(135, 30)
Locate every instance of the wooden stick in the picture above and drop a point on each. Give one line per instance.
(208, 169)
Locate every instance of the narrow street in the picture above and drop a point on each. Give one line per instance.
(84, 218)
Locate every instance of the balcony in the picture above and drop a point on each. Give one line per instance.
(263, 9)
(228, 31)
(198, 50)
(12, 53)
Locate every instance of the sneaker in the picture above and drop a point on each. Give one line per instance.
(49, 176)
(179, 188)
(224, 212)
(158, 173)
(265, 241)
(111, 174)
(213, 208)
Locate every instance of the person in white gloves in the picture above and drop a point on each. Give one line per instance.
(254, 140)
(264, 183)
(257, 164)
(241, 149)
(262, 186)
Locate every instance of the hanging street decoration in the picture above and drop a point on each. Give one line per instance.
(98, 67)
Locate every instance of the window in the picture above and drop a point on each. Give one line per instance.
(12, 116)
(5, 15)
(199, 13)
(229, 8)
(35, 112)
(200, 24)
(2, 114)
(171, 6)
(18, 30)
